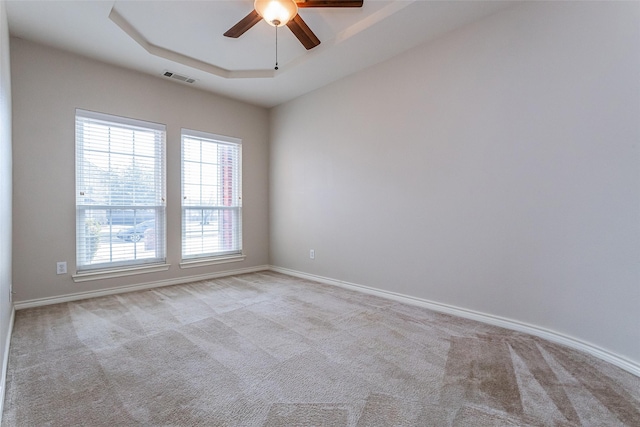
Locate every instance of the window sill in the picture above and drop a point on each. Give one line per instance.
(86, 276)
(190, 263)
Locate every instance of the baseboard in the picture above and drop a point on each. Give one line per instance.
(552, 336)
(21, 305)
(5, 362)
(514, 325)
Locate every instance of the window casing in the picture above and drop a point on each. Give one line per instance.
(211, 196)
(120, 192)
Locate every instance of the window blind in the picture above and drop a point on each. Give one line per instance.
(211, 195)
(120, 191)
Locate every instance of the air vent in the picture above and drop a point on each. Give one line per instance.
(178, 77)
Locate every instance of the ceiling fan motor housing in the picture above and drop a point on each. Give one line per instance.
(285, 12)
(276, 12)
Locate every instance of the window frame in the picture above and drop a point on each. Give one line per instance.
(211, 258)
(90, 271)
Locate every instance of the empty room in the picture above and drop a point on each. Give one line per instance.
(319, 213)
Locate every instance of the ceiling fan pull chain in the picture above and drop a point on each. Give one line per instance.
(276, 48)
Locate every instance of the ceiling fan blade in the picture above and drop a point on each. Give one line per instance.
(329, 3)
(245, 23)
(302, 31)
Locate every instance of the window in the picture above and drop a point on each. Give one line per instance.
(211, 195)
(120, 190)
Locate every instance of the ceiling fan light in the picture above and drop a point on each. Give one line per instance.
(276, 12)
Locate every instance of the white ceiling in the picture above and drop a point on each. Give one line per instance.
(185, 37)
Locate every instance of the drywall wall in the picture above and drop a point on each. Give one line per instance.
(5, 195)
(48, 86)
(495, 169)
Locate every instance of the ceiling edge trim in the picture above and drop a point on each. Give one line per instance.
(367, 22)
(351, 31)
(188, 61)
(161, 52)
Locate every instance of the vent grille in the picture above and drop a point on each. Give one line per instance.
(179, 77)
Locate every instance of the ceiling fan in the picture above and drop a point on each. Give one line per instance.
(285, 12)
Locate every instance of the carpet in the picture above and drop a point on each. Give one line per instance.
(265, 349)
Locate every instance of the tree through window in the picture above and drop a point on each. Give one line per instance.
(120, 187)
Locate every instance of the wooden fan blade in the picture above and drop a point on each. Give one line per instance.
(329, 3)
(245, 23)
(302, 31)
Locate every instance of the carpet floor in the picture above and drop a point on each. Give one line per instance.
(265, 349)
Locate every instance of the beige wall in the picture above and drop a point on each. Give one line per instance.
(5, 192)
(495, 170)
(48, 85)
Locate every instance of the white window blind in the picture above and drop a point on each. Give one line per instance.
(211, 195)
(120, 191)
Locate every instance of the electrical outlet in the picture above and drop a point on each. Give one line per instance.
(312, 254)
(61, 267)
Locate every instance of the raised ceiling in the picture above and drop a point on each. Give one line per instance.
(186, 37)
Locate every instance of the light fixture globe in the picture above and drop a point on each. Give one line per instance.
(276, 12)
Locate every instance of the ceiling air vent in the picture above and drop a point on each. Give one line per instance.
(178, 77)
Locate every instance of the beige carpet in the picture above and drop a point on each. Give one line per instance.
(266, 349)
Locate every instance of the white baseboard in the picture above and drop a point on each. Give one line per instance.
(5, 362)
(21, 305)
(600, 353)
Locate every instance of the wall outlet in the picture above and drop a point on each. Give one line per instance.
(312, 254)
(61, 267)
